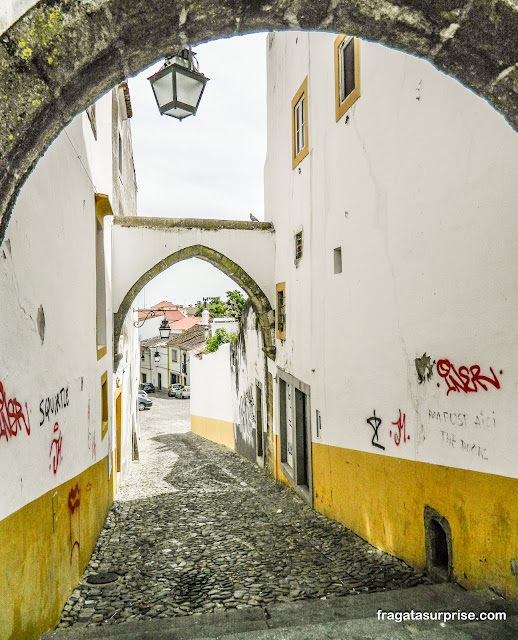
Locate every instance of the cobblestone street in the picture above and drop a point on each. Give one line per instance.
(195, 529)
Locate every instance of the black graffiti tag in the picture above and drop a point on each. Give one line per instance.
(375, 422)
(51, 406)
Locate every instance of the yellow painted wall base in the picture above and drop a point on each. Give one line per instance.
(218, 431)
(44, 550)
(279, 475)
(382, 499)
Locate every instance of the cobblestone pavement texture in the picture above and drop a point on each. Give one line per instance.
(195, 528)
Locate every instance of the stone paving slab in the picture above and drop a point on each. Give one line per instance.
(343, 617)
(198, 529)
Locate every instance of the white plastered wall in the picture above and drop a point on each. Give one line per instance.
(211, 386)
(48, 259)
(419, 189)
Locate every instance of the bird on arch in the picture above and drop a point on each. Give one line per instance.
(253, 218)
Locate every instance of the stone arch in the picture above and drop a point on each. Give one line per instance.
(62, 55)
(259, 301)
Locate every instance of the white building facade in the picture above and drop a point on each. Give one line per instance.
(392, 191)
(68, 420)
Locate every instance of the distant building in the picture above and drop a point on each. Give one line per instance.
(165, 362)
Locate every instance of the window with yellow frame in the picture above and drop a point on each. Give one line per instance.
(280, 316)
(347, 73)
(102, 209)
(299, 119)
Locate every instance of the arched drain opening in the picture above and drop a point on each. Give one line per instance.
(102, 578)
(439, 562)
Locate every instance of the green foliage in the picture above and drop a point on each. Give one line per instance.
(220, 337)
(218, 308)
(235, 302)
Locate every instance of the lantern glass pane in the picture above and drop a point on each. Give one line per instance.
(177, 112)
(163, 88)
(188, 89)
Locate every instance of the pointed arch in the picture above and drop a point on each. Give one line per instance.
(258, 299)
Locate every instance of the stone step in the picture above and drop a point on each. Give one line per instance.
(350, 617)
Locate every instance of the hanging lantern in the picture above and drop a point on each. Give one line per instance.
(178, 85)
(164, 329)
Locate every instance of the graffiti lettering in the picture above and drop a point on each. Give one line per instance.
(55, 449)
(469, 447)
(74, 504)
(460, 419)
(12, 417)
(485, 422)
(51, 406)
(375, 422)
(465, 379)
(455, 419)
(401, 430)
(91, 442)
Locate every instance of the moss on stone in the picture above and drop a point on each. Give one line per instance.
(189, 223)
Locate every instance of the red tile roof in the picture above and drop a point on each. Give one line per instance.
(173, 316)
(185, 323)
(165, 305)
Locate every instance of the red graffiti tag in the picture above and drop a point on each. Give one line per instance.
(465, 379)
(74, 504)
(91, 441)
(57, 441)
(401, 430)
(12, 418)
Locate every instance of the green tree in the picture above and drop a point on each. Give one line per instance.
(235, 302)
(218, 308)
(220, 337)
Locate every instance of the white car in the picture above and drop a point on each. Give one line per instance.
(185, 392)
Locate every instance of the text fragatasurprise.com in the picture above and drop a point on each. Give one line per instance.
(440, 616)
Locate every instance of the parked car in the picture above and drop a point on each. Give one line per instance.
(185, 392)
(143, 401)
(147, 387)
(173, 389)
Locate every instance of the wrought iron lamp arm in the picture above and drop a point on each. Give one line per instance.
(140, 323)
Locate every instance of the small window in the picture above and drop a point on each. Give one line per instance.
(281, 311)
(120, 155)
(102, 209)
(299, 114)
(338, 260)
(90, 112)
(347, 73)
(104, 404)
(298, 246)
(174, 355)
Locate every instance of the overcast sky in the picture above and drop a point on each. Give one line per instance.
(207, 166)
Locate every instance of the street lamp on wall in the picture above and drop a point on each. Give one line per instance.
(164, 328)
(179, 85)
